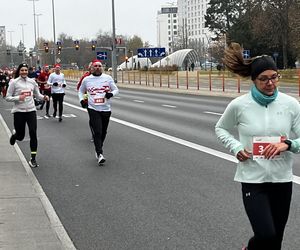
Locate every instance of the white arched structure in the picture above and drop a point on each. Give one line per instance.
(182, 58)
(134, 61)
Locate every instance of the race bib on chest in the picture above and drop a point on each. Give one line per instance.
(261, 142)
(99, 99)
(26, 92)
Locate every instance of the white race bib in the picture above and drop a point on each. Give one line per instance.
(261, 142)
(99, 99)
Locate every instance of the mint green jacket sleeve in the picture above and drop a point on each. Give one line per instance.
(295, 147)
(225, 125)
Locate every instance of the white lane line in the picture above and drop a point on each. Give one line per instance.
(139, 101)
(117, 97)
(169, 106)
(212, 113)
(210, 151)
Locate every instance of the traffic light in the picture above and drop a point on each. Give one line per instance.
(126, 59)
(46, 47)
(20, 52)
(58, 49)
(8, 52)
(76, 44)
(94, 42)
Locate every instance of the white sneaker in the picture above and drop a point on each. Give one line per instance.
(101, 159)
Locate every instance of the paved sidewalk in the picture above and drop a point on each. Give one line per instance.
(27, 219)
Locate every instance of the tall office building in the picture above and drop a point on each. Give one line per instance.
(182, 26)
(191, 20)
(2, 36)
(167, 27)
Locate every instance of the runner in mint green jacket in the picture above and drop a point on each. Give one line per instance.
(265, 120)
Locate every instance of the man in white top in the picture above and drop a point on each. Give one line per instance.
(99, 89)
(58, 83)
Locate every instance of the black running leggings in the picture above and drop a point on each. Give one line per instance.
(267, 206)
(48, 93)
(20, 120)
(99, 121)
(58, 98)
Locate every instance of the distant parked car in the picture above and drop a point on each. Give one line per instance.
(118, 69)
(208, 65)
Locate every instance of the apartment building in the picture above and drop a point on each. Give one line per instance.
(167, 27)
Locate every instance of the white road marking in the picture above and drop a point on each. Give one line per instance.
(212, 113)
(139, 101)
(210, 151)
(169, 106)
(55, 222)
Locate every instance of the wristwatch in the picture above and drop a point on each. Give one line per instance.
(289, 143)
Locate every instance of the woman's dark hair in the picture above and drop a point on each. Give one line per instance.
(234, 61)
(17, 74)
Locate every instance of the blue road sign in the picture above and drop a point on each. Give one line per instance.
(101, 55)
(151, 52)
(246, 53)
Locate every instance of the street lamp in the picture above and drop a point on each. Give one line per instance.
(23, 41)
(54, 37)
(209, 46)
(11, 52)
(113, 54)
(38, 27)
(34, 22)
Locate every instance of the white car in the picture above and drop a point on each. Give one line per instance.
(208, 65)
(118, 69)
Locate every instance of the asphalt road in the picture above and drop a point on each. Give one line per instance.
(153, 192)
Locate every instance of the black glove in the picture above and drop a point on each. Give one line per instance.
(83, 104)
(108, 95)
(55, 84)
(64, 85)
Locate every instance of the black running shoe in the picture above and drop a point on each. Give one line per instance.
(12, 139)
(33, 163)
(60, 119)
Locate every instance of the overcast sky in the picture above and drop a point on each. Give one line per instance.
(79, 18)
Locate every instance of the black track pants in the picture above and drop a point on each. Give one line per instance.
(99, 123)
(20, 120)
(58, 98)
(267, 206)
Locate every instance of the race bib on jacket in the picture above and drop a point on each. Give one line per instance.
(261, 142)
(27, 93)
(99, 99)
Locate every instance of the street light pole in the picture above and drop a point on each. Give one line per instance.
(34, 22)
(38, 27)
(209, 46)
(113, 54)
(23, 41)
(11, 52)
(54, 36)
